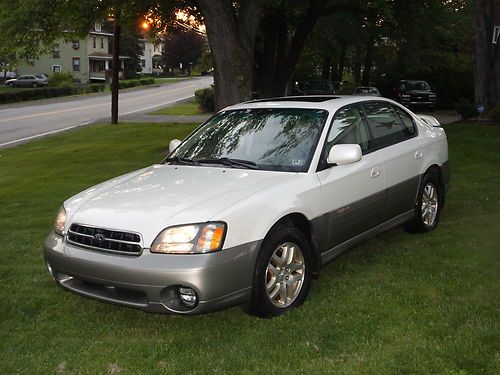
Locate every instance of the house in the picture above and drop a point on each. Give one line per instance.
(151, 57)
(88, 60)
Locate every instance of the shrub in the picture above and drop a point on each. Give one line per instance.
(64, 78)
(494, 113)
(466, 109)
(96, 87)
(206, 99)
(147, 81)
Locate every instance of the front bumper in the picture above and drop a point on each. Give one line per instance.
(150, 281)
(416, 104)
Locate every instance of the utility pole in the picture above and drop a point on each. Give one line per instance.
(116, 66)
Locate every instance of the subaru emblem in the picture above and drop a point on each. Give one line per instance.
(100, 238)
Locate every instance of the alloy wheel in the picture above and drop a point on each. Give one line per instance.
(285, 274)
(430, 203)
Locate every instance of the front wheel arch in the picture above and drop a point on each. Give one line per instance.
(301, 222)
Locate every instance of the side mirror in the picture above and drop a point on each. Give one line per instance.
(174, 143)
(344, 154)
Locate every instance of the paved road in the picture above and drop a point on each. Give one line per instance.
(21, 123)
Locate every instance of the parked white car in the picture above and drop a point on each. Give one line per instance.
(250, 206)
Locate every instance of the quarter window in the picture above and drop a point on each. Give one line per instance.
(385, 125)
(408, 122)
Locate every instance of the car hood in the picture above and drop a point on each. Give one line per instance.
(151, 199)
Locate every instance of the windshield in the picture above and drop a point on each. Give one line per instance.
(417, 85)
(273, 139)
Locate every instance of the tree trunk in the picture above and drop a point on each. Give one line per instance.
(487, 55)
(357, 66)
(341, 66)
(231, 37)
(365, 81)
(326, 68)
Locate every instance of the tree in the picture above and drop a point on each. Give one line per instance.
(183, 47)
(131, 46)
(487, 54)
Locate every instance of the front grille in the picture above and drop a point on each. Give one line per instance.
(420, 98)
(104, 239)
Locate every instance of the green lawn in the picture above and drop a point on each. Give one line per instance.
(181, 109)
(399, 304)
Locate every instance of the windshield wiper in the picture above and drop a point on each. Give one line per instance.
(180, 160)
(229, 162)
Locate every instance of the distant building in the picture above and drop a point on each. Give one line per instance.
(88, 60)
(151, 57)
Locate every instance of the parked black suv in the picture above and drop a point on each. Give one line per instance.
(416, 94)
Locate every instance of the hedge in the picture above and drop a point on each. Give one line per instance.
(65, 90)
(18, 95)
(126, 83)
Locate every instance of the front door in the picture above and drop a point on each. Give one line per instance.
(353, 194)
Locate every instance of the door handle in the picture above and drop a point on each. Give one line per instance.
(419, 154)
(375, 172)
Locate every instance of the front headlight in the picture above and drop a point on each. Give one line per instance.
(190, 239)
(60, 221)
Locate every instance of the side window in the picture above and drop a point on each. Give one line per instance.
(385, 125)
(408, 122)
(348, 127)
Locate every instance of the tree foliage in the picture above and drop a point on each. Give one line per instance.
(183, 47)
(262, 45)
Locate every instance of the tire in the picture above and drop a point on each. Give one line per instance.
(428, 206)
(11, 84)
(282, 275)
(34, 85)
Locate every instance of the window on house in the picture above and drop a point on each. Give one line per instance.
(56, 52)
(102, 42)
(56, 68)
(76, 44)
(143, 63)
(76, 64)
(93, 43)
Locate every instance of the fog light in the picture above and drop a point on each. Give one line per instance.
(188, 296)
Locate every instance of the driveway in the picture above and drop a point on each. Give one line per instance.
(21, 123)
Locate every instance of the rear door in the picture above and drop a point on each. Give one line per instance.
(353, 194)
(396, 137)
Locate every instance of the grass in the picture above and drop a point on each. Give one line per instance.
(170, 79)
(398, 304)
(182, 109)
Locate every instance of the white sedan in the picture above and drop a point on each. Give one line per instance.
(248, 207)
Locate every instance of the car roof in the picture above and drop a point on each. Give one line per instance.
(329, 103)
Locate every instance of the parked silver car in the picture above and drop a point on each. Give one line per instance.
(28, 80)
(366, 91)
(248, 208)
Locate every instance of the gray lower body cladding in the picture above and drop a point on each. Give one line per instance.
(147, 281)
(338, 226)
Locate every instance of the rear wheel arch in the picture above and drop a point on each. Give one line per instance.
(436, 170)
